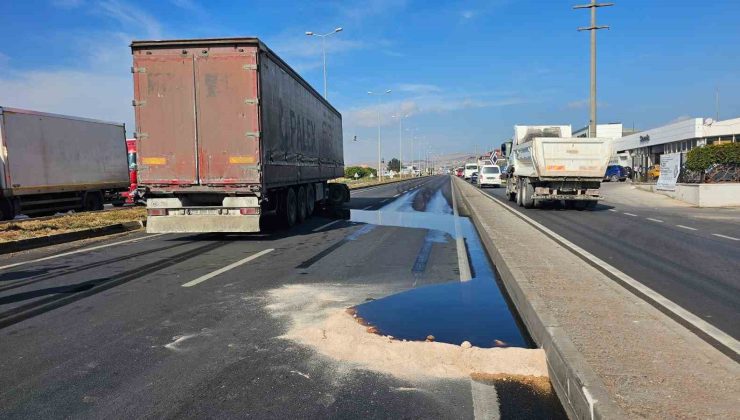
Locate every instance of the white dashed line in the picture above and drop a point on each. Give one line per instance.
(383, 201)
(686, 227)
(396, 195)
(654, 220)
(726, 237)
(367, 207)
(613, 210)
(325, 226)
(211, 275)
(630, 214)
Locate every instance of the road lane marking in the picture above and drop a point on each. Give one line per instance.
(630, 214)
(231, 266)
(726, 237)
(367, 207)
(686, 227)
(92, 248)
(613, 210)
(383, 201)
(654, 220)
(396, 195)
(462, 252)
(322, 227)
(725, 340)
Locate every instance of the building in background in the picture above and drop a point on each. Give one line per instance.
(645, 148)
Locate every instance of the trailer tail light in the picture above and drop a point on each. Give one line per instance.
(156, 212)
(249, 210)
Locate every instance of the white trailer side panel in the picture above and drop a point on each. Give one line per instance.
(54, 153)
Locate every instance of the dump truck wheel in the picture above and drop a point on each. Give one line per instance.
(301, 205)
(527, 194)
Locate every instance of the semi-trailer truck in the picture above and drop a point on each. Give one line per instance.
(51, 163)
(227, 133)
(547, 164)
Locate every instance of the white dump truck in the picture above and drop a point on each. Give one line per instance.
(547, 164)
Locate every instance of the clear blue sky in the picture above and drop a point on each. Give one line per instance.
(466, 71)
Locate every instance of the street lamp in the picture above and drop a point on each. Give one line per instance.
(400, 141)
(379, 95)
(323, 50)
(413, 137)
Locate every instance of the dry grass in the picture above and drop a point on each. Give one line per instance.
(359, 183)
(26, 229)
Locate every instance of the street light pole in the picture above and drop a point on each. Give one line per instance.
(593, 28)
(323, 50)
(400, 141)
(379, 95)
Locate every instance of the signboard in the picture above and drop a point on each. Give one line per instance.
(670, 167)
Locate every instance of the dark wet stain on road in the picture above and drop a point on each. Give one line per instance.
(454, 312)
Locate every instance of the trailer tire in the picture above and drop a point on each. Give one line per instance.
(289, 207)
(310, 200)
(336, 195)
(527, 194)
(6, 210)
(301, 205)
(590, 205)
(580, 205)
(93, 200)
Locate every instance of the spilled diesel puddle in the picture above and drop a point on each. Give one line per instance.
(318, 318)
(453, 312)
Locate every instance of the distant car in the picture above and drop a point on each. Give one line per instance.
(489, 175)
(615, 173)
(474, 178)
(469, 169)
(654, 171)
(459, 172)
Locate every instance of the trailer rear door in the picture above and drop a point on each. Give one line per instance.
(227, 115)
(165, 117)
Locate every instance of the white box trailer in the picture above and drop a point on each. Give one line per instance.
(51, 163)
(547, 164)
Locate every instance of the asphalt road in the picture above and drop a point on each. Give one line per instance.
(107, 330)
(689, 255)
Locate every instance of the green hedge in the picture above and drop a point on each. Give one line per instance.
(702, 158)
(350, 171)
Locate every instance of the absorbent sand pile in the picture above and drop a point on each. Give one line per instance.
(318, 318)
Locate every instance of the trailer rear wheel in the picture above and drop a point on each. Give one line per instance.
(310, 200)
(288, 207)
(580, 205)
(301, 205)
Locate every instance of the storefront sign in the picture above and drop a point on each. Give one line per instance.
(670, 167)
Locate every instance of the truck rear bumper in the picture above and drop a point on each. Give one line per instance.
(203, 224)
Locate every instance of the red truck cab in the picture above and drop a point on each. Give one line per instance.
(132, 195)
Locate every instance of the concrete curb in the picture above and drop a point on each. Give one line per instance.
(582, 393)
(26, 244)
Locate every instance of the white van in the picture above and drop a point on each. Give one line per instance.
(469, 169)
(489, 175)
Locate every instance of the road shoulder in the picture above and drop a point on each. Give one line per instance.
(610, 354)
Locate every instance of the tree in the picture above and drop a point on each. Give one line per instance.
(394, 165)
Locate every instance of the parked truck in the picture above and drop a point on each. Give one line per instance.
(51, 163)
(227, 133)
(547, 164)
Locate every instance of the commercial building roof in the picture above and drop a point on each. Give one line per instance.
(692, 128)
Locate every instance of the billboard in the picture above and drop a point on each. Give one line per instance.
(670, 167)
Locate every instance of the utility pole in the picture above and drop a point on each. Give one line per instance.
(379, 95)
(593, 28)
